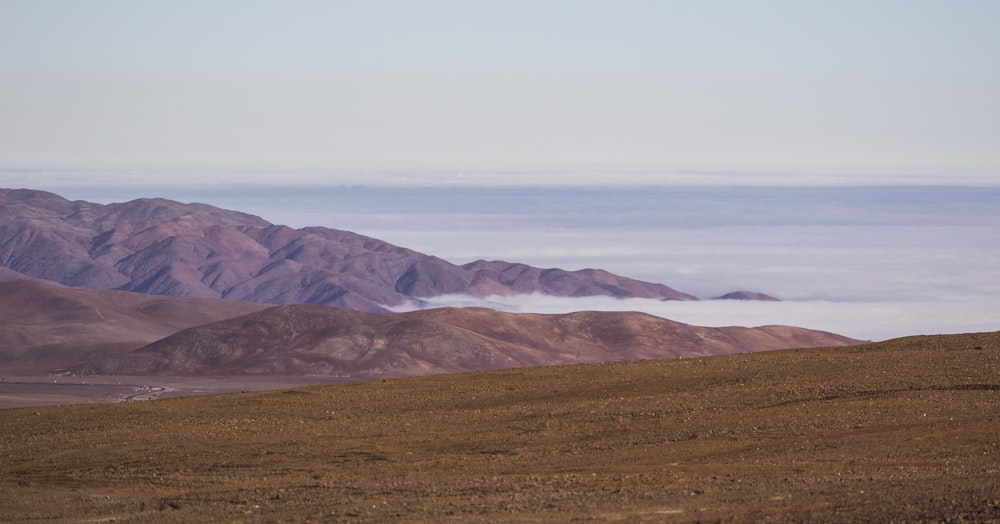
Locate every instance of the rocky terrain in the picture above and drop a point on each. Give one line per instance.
(46, 328)
(899, 431)
(164, 247)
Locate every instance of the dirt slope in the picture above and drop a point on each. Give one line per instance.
(905, 430)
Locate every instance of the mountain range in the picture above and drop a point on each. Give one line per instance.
(157, 287)
(164, 247)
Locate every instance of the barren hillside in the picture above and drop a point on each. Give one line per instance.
(49, 328)
(308, 340)
(45, 326)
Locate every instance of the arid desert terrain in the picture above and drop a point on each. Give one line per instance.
(903, 430)
(499, 262)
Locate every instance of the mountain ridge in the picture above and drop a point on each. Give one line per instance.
(159, 246)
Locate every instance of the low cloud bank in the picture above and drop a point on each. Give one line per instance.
(862, 320)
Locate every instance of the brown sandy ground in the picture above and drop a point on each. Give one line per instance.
(906, 430)
(33, 390)
(44, 391)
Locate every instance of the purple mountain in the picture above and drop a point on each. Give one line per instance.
(165, 247)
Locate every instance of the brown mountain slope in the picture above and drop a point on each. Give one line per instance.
(899, 431)
(333, 342)
(43, 325)
(194, 250)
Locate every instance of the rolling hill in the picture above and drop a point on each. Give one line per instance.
(43, 325)
(326, 341)
(50, 328)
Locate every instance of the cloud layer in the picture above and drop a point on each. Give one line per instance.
(862, 320)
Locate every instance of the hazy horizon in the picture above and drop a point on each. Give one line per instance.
(137, 183)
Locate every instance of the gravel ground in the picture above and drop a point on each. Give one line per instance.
(905, 430)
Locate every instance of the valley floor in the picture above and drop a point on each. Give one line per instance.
(905, 430)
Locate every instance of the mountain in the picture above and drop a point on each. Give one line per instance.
(334, 342)
(165, 247)
(43, 325)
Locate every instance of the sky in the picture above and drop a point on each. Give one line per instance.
(283, 108)
(327, 87)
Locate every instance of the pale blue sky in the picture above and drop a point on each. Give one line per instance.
(757, 85)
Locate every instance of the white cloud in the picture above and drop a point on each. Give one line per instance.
(861, 320)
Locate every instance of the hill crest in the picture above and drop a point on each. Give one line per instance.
(333, 342)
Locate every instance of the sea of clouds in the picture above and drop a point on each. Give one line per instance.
(867, 261)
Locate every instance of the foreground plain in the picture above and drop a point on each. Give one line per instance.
(904, 430)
